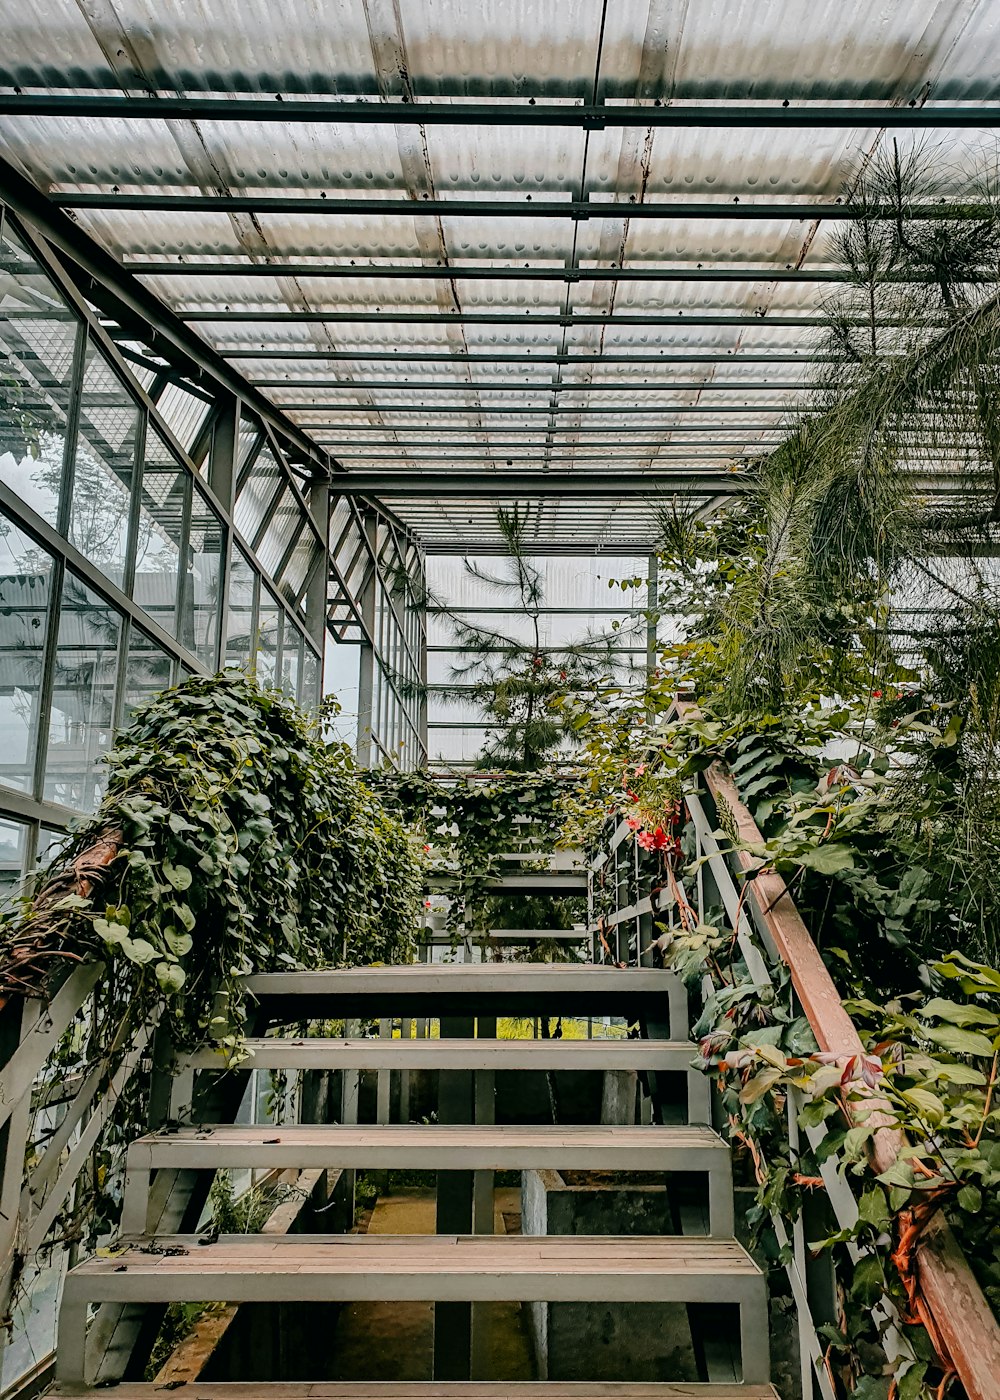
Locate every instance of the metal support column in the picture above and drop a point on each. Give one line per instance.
(367, 604)
(483, 1199)
(453, 1321)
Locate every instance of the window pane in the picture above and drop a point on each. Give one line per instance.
(83, 696)
(249, 438)
(183, 413)
(309, 688)
(165, 488)
(268, 624)
(37, 340)
(239, 632)
(103, 468)
(300, 564)
(291, 660)
(13, 856)
(256, 494)
(280, 529)
(25, 592)
(147, 671)
(199, 630)
(49, 844)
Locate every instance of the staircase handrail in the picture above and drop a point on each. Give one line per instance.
(956, 1305)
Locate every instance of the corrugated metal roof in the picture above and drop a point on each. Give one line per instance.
(363, 384)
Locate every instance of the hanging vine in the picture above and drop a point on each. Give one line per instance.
(231, 840)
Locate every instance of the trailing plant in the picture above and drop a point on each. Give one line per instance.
(468, 823)
(230, 840)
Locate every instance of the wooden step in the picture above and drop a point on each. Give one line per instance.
(451, 1268)
(433, 1147)
(320, 1052)
(385, 1052)
(476, 989)
(550, 882)
(437, 1390)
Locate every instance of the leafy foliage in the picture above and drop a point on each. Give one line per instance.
(468, 823)
(241, 844)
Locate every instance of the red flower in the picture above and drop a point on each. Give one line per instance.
(876, 695)
(632, 823)
(653, 840)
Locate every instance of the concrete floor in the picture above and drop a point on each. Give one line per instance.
(394, 1341)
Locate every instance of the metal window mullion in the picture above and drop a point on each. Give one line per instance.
(47, 688)
(290, 480)
(269, 514)
(135, 504)
(223, 425)
(77, 373)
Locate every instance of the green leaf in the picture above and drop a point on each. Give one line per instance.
(827, 859)
(180, 944)
(113, 934)
(911, 1383)
(928, 1105)
(960, 1042)
(873, 1209)
(868, 1283)
(958, 1013)
(758, 1086)
(178, 875)
(138, 950)
(170, 976)
(970, 1198)
(855, 1141)
(185, 915)
(72, 901)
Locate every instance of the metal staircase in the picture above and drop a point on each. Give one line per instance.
(464, 1263)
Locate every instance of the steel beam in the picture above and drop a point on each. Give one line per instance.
(524, 317)
(498, 356)
(548, 410)
(502, 484)
(577, 209)
(496, 485)
(854, 116)
(539, 386)
(478, 454)
(507, 273)
(348, 433)
(438, 452)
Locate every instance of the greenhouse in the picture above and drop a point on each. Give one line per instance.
(500, 700)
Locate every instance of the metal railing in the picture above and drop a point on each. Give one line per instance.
(627, 897)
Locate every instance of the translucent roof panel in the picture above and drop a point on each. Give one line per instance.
(516, 300)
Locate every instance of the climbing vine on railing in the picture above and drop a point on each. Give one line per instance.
(854, 807)
(469, 822)
(230, 840)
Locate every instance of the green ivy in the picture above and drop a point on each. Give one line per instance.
(244, 844)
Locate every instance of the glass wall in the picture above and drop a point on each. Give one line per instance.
(122, 568)
(580, 608)
(377, 609)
